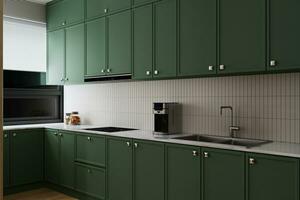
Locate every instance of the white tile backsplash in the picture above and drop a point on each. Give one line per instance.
(265, 106)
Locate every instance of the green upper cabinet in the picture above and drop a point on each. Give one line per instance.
(119, 169)
(148, 170)
(56, 57)
(183, 178)
(197, 36)
(242, 36)
(96, 47)
(284, 35)
(223, 174)
(75, 54)
(119, 43)
(64, 13)
(141, 2)
(96, 8)
(6, 164)
(165, 39)
(143, 42)
(27, 150)
(272, 177)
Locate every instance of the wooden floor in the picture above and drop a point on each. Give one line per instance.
(40, 194)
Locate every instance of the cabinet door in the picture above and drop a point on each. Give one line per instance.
(119, 43)
(74, 11)
(284, 34)
(242, 36)
(143, 42)
(140, 2)
(6, 164)
(56, 57)
(52, 156)
(75, 54)
(272, 178)
(116, 5)
(96, 47)
(67, 157)
(197, 32)
(223, 174)
(119, 169)
(27, 151)
(55, 15)
(183, 172)
(148, 170)
(165, 39)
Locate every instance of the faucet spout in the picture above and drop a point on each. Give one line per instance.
(232, 129)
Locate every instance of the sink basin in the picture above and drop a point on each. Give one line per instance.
(224, 140)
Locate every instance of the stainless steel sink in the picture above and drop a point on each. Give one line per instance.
(224, 140)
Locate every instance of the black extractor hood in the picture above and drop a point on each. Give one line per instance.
(23, 79)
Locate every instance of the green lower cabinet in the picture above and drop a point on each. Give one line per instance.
(223, 174)
(6, 165)
(90, 181)
(119, 169)
(272, 177)
(183, 178)
(148, 169)
(27, 156)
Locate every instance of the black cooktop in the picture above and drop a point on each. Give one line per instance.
(110, 129)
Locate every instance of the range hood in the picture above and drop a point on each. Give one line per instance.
(23, 79)
(107, 77)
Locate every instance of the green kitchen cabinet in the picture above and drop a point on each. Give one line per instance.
(141, 2)
(119, 169)
(284, 31)
(55, 15)
(96, 47)
(119, 43)
(242, 36)
(26, 156)
(143, 42)
(223, 174)
(272, 177)
(148, 169)
(56, 57)
(75, 54)
(6, 164)
(183, 174)
(197, 37)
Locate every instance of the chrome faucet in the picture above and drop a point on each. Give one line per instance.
(232, 129)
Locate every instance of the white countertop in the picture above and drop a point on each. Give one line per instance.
(273, 148)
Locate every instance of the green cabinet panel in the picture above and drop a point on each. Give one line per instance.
(95, 47)
(27, 150)
(140, 2)
(165, 39)
(55, 15)
(242, 36)
(148, 170)
(90, 149)
(119, 43)
(6, 165)
(183, 178)
(75, 54)
(223, 174)
(143, 42)
(56, 57)
(272, 177)
(90, 180)
(74, 11)
(197, 36)
(119, 169)
(284, 34)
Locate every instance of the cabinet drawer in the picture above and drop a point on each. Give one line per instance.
(90, 181)
(90, 149)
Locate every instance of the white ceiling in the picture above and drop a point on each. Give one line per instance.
(40, 1)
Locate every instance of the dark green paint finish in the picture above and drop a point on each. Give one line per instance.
(272, 178)
(90, 180)
(284, 34)
(90, 149)
(223, 174)
(119, 43)
(183, 178)
(74, 11)
(165, 39)
(143, 42)
(55, 15)
(27, 156)
(6, 164)
(119, 169)
(96, 47)
(148, 170)
(242, 36)
(75, 54)
(141, 2)
(197, 36)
